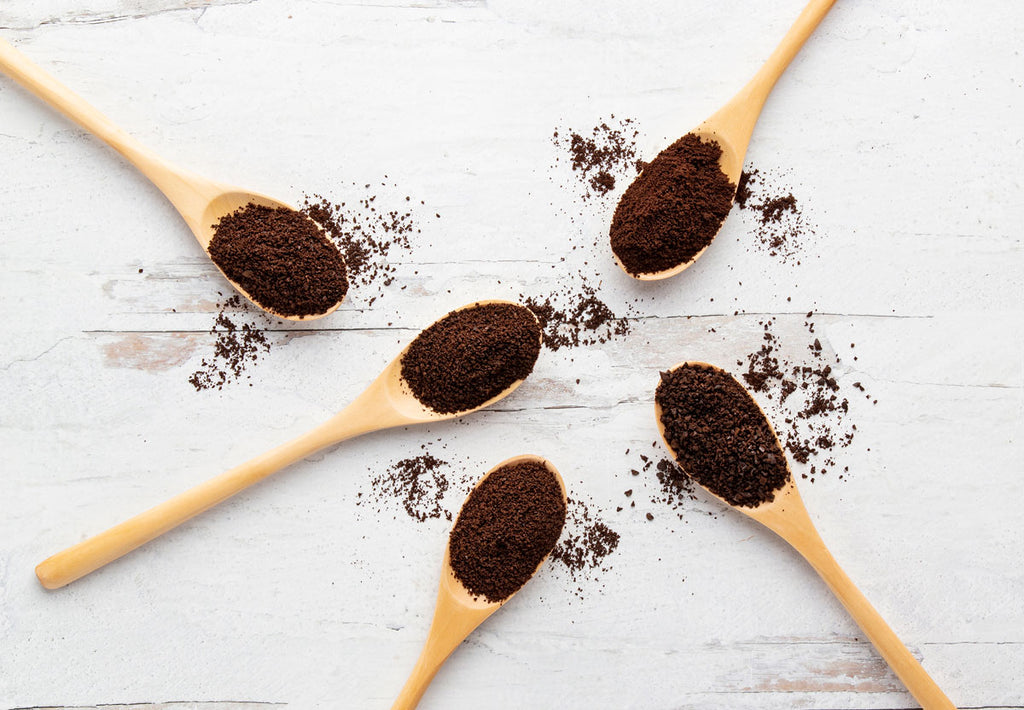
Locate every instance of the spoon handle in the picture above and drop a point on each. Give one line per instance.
(91, 554)
(179, 187)
(809, 544)
(738, 117)
(452, 623)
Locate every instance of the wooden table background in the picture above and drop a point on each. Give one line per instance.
(899, 126)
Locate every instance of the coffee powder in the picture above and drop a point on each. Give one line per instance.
(609, 151)
(471, 355)
(673, 209)
(240, 342)
(281, 258)
(507, 526)
(719, 435)
(780, 227)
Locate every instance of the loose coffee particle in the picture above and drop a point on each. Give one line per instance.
(236, 347)
(585, 545)
(368, 232)
(673, 209)
(471, 355)
(581, 318)
(719, 435)
(506, 527)
(281, 258)
(596, 159)
(419, 483)
(780, 227)
(804, 392)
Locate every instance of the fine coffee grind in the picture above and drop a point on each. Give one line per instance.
(471, 355)
(803, 390)
(673, 209)
(579, 318)
(239, 343)
(780, 227)
(597, 159)
(281, 258)
(507, 526)
(719, 435)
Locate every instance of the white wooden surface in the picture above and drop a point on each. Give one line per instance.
(901, 124)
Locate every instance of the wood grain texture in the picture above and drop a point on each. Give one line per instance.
(898, 128)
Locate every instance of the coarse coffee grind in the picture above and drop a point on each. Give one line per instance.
(281, 258)
(471, 355)
(719, 435)
(507, 526)
(673, 209)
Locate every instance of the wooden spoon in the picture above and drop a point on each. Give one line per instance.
(200, 202)
(786, 516)
(457, 611)
(732, 125)
(387, 402)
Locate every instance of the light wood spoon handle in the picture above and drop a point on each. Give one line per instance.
(737, 118)
(895, 653)
(453, 622)
(91, 554)
(787, 517)
(188, 192)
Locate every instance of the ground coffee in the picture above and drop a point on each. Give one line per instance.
(780, 227)
(673, 209)
(719, 435)
(598, 158)
(240, 342)
(471, 355)
(281, 258)
(507, 526)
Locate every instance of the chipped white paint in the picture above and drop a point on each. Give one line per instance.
(899, 125)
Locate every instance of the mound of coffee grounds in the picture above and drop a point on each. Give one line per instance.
(673, 209)
(596, 159)
(804, 393)
(507, 526)
(471, 355)
(239, 343)
(281, 258)
(719, 435)
(580, 318)
(780, 227)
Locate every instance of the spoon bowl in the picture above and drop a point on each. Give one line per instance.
(732, 125)
(458, 611)
(201, 202)
(786, 516)
(388, 402)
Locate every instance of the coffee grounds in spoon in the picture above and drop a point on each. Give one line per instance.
(719, 435)
(281, 258)
(673, 209)
(471, 355)
(507, 526)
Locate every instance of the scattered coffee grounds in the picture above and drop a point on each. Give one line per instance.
(507, 526)
(609, 151)
(281, 258)
(370, 231)
(803, 391)
(780, 227)
(471, 355)
(419, 483)
(239, 343)
(673, 209)
(587, 542)
(580, 318)
(719, 435)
